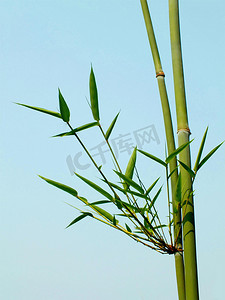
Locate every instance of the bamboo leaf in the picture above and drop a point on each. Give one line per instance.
(178, 189)
(153, 158)
(144, 196)
(151, 187)
(130, 206)
(116, 186)
(177, 151)
(160, 226)
(189, 170)
(103, 212)
(124, 191)
(172, 172)
(42, 110)
(109, 131)
(61, 186)
(79, 218)
(125, 215)
(118, 203)
(94, 96)
(130, 182)
(114, 221)
(83, 127)
(128, 228)
(131, 164)
(64, 109)
(209, 155)
(147, 224)
(96, 187)
(154, 199)
(200, 151)
(99, 202)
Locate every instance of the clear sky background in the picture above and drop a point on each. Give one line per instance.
(49, 44)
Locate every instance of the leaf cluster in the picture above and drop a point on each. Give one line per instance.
(129, 206)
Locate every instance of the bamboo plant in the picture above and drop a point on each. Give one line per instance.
(131, 206)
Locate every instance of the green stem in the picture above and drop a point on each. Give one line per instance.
(191, 278)
(179, 264)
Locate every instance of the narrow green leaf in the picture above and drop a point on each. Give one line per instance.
(177, 151)
(160, 226)
(94, 96)
(125, 215)
(102, 212)
(144, 196)
(64, 109)
(208, 156)
(154, 199)
(118, 203)
(200, 151)
(99, 202)
(172, 172)
(84, 215)
(147, 224)
(124, 191)
(153, 218)
(109, 131)
(116, 186)
(96, 187)
(130, 206)
(130, 182)
(61, 186)
(114, 220)
(45, 111)
(178, 189)
(128, 228)
(151, 187)
(131, 164)
(187, 169)
(153, 158)
(83, 127)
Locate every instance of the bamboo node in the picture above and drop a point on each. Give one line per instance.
(184, 129)
(161, 73)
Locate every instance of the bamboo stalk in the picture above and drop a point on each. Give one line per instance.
(179, 264)
(191, 277)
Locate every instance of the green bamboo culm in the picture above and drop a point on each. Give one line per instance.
(191, 276)
(179, 264)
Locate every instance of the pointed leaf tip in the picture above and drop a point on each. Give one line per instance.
(204, 160)
(177, 151)
(109, 131)
(72, 132)
(153, 157)
(61, 186)
(79, 218)
(129, 182)
(94, 96)
(189, 170)
(131, 164)
(96, 187)
(42, 110)
(200, 151)
(64, 109)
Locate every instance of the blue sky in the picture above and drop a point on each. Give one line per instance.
(51, 44)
